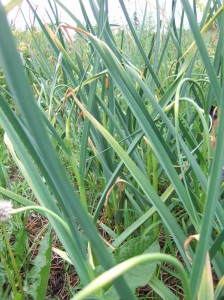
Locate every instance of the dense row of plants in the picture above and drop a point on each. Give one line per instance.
(121, 149)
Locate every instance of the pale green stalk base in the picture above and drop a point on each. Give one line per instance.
(15, 268)
(10, 278)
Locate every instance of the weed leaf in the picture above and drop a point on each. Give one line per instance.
(141, 274)
(37, 278)
(132, 248)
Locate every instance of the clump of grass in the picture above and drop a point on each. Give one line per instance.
(132, 125)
